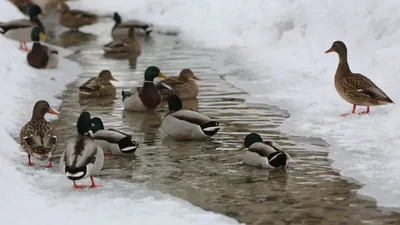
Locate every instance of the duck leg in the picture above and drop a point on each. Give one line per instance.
(25, 47)
(78, 186)
(365, 112)
(352, 112)
(29, 161)
(93, 184)
(20, 46)
(50, 165)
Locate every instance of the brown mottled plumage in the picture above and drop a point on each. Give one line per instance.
(130, 44)
(184, 86)
(99, 86)
(355, 88)
(74, 18)
(38, 137)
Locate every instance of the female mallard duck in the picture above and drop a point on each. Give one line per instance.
(264, 154)
(41, 56)
(184, 86)
(146, 97)
(114, 141)
(185, 124)
(99, 86)
(38, 137)
(130, 44)
(355, 88)
(74, 19)
(21, 30)
(120, 29)
(82, 157)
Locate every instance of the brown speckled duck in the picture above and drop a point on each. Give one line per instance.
(74, 19)
(355, 88)
(130, 44)
(41, 56)
(183, 86)
(97, 87)
(120, 29)
(38, 137)
(144, 98)
(21, 30)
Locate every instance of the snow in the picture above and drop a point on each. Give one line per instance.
(41, 196)
(281, 44)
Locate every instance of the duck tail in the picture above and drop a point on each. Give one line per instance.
(124, 94)
(210, 128)
(148, 29)
(2, 30)
(126, 145)
(278, 159)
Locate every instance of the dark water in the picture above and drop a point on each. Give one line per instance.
(208, 173)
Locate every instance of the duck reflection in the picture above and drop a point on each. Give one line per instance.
(73, 38)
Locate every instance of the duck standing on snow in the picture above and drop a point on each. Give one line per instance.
(146, 97)
(121, 28)
(74, 19)
(41, 56)
(82, 157)
(264, 154)
(185, 124)
(114, 141)
(355, 88)
(130, 44)
(184, 86)
(21, 30)
(97, 87)
(38, 137)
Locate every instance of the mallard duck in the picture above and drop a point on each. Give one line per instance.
(264, 154)
(38, 137)
(130, 44)
(121, 28)
(184, 86)
(82, 157)
(114, 141)
(146, 97)
(355, 88)
(185, 124)
(21, 30)
(99, 86)
(74, 19)
(22, 5)
(41, 56)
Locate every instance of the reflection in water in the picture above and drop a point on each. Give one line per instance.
(131, 56)
(73, 38)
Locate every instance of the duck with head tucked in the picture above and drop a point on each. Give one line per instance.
(184, 86)
(83, 157)
(355, 88)
(21, 30)
(146, 97)
(97, 87)
(74, 19)
(38, 137)
(121, 28)
(264, 154)
(41, 56)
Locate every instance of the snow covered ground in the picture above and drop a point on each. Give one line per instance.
(41, 196)
(282, 43)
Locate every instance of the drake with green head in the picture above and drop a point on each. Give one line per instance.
(21, 30)
(146, 97)
(41, 56)
(355, 88)
(184, 86)
(97, 87)
(121, 28)
(264, 154)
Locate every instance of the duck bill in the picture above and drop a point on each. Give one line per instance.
(241, 148)
(114, 79)
(161, 75)
(43, 13)
(42, 36)
(195, 78)
(329, 50)
(51, 111)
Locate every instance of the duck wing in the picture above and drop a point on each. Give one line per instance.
(90, 85)
(111, 136)
(82, 14)
(191, 116)
(15, 24)
(127, 135)
(262, 149)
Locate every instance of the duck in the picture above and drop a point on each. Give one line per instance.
(100, 86)
(21, 30)
(38, 137)
(114, 141)
(74, 19)
(120, 28)
(22, 5)
(130, 44)
(355, 88)
(146, 97)
(187, 124)
(82, 157)
(41, 56)
(184, 86)
(263, 154)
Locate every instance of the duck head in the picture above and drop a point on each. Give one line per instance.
(153, 72)
(37, 34)
(187, 74)
(117, 18)
(34, 11)
(249, 140)
(339, 47)
(83, 124)
(174, 103)
(41, 108)
(96, 124)
(105, 76)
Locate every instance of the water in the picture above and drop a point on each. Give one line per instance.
(209, 173)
